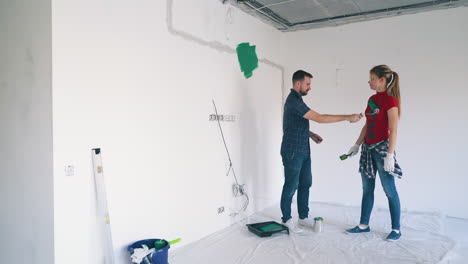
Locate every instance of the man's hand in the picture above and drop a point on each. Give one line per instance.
(354, 118)
(389, 162)
(316, 138)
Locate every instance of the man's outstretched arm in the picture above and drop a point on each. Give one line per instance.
(319, 118)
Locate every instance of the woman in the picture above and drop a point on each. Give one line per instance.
(378, 139)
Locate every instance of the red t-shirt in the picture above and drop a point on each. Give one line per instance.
(377, 121)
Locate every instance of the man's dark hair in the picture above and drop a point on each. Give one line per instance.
(300, 75)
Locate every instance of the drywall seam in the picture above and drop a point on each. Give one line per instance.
(216, 45)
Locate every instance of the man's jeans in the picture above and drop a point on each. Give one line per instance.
(297, 176)
(388, 184)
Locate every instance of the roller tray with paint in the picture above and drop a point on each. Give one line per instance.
(266, 229)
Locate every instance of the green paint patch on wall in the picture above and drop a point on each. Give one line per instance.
(247, 58)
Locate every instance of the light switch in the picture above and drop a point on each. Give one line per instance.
(69, 170)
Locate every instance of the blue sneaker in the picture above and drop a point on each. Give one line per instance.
(393, 236)
(357, 229)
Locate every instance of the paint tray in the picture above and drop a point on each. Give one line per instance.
(266, 229)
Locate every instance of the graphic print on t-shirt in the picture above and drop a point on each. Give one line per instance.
(374, 111)
(374, 108)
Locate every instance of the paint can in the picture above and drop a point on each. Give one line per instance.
(318, 224)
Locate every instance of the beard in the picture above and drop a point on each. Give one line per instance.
(303, 92)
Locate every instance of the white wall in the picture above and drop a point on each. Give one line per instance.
(429, 52)
(26, 180)
(124, 83)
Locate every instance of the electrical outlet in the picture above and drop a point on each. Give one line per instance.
(221, 210)
(231, 118)
(69, 170)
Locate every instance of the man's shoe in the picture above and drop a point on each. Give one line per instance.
(393, 236)
(292, 226)
(306, 222)
(357, 229)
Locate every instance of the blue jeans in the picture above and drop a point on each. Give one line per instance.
(297, 176)
(388, 184)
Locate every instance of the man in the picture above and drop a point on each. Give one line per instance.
(295, 149)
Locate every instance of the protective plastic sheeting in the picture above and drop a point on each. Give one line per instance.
(422, 241)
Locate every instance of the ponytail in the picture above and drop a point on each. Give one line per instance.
(393, 89)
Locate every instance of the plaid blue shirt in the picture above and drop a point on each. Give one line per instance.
(295, 126)
(366, 165)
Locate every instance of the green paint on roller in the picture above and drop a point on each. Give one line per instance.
(247, 58)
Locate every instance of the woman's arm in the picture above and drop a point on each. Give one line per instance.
(393, 126)
(362, 135)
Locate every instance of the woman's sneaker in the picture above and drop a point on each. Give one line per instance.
(357, 229)
(393, 236)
